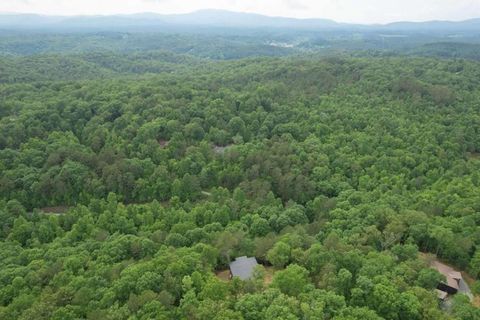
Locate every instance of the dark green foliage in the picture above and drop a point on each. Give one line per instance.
(336, 171)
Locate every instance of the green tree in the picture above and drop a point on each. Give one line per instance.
(292, 280)
(279, 255)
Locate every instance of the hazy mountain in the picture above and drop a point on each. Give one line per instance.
(213, 18)
(204, 18)
(14, 20)
(472, 24)
(247, 20)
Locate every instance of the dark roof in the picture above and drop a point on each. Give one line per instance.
(243, 267)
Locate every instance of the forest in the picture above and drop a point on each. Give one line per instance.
(131, 177)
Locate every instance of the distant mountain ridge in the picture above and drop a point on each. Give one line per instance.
(215, 18)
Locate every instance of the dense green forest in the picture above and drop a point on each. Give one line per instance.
(230, 44)
(129, 178)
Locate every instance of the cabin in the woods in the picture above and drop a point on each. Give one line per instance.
(243, 267)
(452, 282)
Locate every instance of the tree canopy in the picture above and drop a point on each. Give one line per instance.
(123, 191)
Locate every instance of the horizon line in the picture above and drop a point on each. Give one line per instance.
(66, 15)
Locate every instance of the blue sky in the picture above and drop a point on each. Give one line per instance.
(360, 11)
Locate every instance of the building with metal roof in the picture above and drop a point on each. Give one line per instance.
(243, 267)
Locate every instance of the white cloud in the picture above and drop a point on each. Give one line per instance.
(365, 11)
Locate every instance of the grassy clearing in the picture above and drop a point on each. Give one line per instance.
(269, 272)
(223, 275)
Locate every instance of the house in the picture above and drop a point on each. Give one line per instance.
(453, 279)
(243, 267)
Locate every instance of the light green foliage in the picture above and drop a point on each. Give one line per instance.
(279, 255)
(337, 171)
(429, 278)
(292, 280)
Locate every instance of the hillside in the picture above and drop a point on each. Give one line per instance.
(216, 18)
(335, 171)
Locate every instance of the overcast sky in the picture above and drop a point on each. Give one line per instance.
(360, 11)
